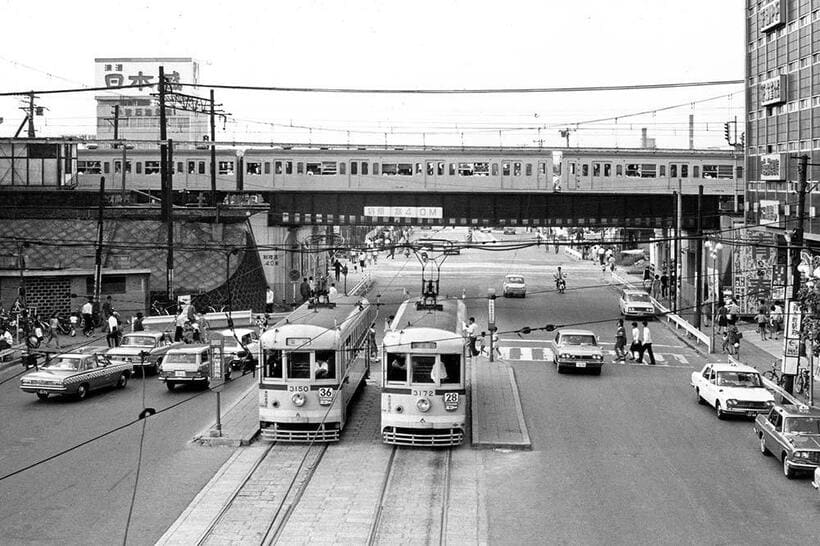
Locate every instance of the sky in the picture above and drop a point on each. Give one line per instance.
(386, 45)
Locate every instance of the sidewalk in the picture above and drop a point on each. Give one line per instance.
(497, 418)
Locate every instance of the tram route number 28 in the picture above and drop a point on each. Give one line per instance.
(450, 400)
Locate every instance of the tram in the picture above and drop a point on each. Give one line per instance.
(424, 388)
(313, 363)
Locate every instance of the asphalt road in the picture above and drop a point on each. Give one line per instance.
(83, 497)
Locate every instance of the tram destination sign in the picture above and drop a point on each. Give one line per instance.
(405, 212)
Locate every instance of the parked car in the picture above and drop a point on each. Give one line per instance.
(241, 345)
(514, 285)
(792, 434)
(190, 364)
(636, 303)
(143, 350)
(816, 482)
(577, 349)
(509, 230)
(75, 374)
(731, 389)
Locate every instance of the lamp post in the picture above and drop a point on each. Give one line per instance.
(714, 248)
(491, 319)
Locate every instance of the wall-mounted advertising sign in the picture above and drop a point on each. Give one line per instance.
(115, 72)
(769, 212)
(772, 15)
(773, 91)
(772, 167)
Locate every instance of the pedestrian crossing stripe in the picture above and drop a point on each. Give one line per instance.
(544, 354)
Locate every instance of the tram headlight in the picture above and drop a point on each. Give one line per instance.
(423, 404)
(298, 399)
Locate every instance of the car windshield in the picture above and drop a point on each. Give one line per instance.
(180, 358)
(739, 379)
(803, 425)
(578, 339)
(514, 279)
(138, 341)
(640, 298)
(64, 363)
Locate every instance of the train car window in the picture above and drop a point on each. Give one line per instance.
(225, 167)
(288, 167)
(739, 171)
(106, 167)
(648, 170)
(505, 169)
(542, 167)
(430, 168)
(364, 167)
(495, 169)
(325, 365)
(139, 167)
(342, 168)
(607, 169)
(396, 368)
(192, 167)
(684, 171)
(313, 168)
(633, 169)
(440, 168)
(663, 170)
(717, 171)
(585, 170)
(421, 367)
(673, 170)
(452, 170)
(695, 171)
(253, 168)
(390, 169)
(267, 167)
(273, 364)
(528, 169)
(517, 169)
(405, 169)
(452, 365)
(596, 169)
(354, 167)
(277, 167)
(375, 168)
(419, 168)
(152, 167)
(179, 167)
(329, 167)
(300, 167)
(201, 167)
(619, 170)
(572, 168)
(298, 365)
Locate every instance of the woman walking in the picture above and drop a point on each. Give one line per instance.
(635, 345)
(620, 342)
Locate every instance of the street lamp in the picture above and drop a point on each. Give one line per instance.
(715, 248)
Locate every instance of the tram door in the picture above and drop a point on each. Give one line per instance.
(506, 173)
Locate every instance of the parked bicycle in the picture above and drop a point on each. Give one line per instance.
(774, 375)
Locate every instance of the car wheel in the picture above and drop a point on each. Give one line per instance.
(763, 449)
(170, 385)
(122, 381)
(82, 391)
(559, 368)
(42, 395)
(719, 410)
(699, 397)
(788, 471)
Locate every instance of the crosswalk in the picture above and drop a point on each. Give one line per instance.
(544, 354)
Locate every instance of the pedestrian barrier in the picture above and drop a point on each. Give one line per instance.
(364, 284)
(771, 385)
(572, 252)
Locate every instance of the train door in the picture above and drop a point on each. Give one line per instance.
(506, 173)
(596, 173)
(435, 172)
(543, 178)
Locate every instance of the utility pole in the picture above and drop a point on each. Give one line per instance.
(98, 255)
(169, 199)
(31, 115)
(213, 152)
(699, 261)
(163, 147)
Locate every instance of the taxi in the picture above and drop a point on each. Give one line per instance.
(577, 349)
(792, 434)
(636, 303)
(75, 374)
(143, 350)
(731, 388)
(514, 285)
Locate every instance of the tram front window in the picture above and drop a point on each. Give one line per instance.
(273, 364)
(397, 367)
(325, 365)
(452, 365)
(298, 365)
(422, 368)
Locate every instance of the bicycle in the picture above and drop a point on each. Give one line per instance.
(801, 382)
(157, 309)
(773, 376)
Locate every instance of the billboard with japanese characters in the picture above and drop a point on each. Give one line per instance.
(143, 72)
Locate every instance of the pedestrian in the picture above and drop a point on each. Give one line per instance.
(88, 320)
(471, 331)
(762, 321)
(269, 299)
(776, 319)
(556, 245)
(620, 342)
(731, 340)
(647, 278)
(635, 345)
(113, 337)
(312, 286)
(337, 269)
(137, 324)
(646, 344)
(656, 287)
(391, 249)
(601, 255)
(387, 323)
(732, 312)
(7, 340)
(304, 290)
(107, 308)
(721, 318)
(664, 283)
(180, 321)
(332, 292)
(362, 258)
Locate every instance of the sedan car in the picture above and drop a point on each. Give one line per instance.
(241, 345)
(142, 350)
(792, 434)
(732, 389)
(509, 230)
(514, 285)
(75, 374)
(636, 303)
(577, 349)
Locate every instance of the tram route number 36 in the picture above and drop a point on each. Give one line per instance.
(325, 396)
(450, 400)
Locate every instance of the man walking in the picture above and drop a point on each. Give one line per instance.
(113, 337)
(88, 320)
(304, 290)
(471, 331)
(269, 300)
(646, 345)
(620, 342)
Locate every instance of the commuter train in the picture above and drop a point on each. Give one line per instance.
(424, 387)
(312, 365)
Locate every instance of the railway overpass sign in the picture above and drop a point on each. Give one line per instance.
(404, 212)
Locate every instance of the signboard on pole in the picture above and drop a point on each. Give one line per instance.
(217, 355)
(791, 339)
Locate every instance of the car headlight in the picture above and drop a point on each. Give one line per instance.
(597, 357)
(801, 455)
(769, 403)
(565, 355)
(423, 404)
(298, 399)
(731, 402)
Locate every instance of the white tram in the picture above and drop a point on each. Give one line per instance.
(312, 365)
(424, 387)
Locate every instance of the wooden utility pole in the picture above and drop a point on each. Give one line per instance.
(213, 152)
(699, 261)
(98, 255)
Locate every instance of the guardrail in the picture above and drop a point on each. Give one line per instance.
(772, 386)
(364, 284)
(674, 320)
(572, 252)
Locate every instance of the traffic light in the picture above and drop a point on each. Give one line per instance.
(726, 132)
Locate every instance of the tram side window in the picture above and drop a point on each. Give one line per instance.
(673, 170)
(596, 169)
(397, 367)
(325, 365)
(273, 364)
(452, 366)
(342, 167)
(663, 170)
(375, 168)
(422, 366)
(152, 167)
(517, 169)
(495, 169)
(300, 167)
(542, 167)
(633, 169)
(430, 168)
(277, 167)
(267, 167)
(313, 168)
(695, 171)
(572, 168)
(288, 167)
(739, 172)
(298, 365)
(440, 169)
(505, 169)
(354, 167)
(528, 169)
(684, 171)
(452, 171)
(139, 167)
(619, 170)
(607, 169)
(648, 170)
(192, 167)
(419, 169)
(201, 167)
(364, 167)
(585, 169)
(225, 167)
(253, 167)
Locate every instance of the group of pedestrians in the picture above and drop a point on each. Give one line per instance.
(312, 290)
(640, 345)
(656, 285)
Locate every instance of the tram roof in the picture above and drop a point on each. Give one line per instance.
(449, 318)
(345, 308)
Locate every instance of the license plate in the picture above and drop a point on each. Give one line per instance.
(581, 364)
(179, 373)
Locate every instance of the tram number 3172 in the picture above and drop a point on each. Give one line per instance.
(424, 393)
